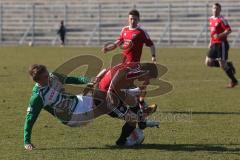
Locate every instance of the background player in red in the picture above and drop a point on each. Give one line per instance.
(131, 40)
(218, 52)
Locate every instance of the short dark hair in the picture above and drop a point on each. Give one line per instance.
(134, 12)
(218, 5)
(36, 70)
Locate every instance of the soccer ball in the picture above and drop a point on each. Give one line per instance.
(135, 138)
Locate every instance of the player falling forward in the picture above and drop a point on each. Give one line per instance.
(218, 52)
(72, 110)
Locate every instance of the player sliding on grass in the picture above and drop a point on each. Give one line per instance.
(218, 52)
(127, 74)
(131, 40)
(72, 110)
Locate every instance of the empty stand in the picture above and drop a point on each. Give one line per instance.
(177, 23)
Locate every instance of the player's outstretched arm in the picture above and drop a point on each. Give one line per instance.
(110, 46)
(71, 79)
(77, 80)
(35, 106)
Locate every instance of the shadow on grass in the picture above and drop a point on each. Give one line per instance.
(162, 147)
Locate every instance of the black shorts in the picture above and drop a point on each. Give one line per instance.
(62, 37)
(219, 51)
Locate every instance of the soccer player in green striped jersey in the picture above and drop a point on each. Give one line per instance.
(48, 94)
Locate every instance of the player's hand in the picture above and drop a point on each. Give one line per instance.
(154, 60)
(104, 49)
(29, 147)
(215, 36)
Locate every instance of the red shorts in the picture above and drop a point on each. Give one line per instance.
(104, 83)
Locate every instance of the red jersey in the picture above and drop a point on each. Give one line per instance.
(218, 25)
(134, 70)
(132, 41)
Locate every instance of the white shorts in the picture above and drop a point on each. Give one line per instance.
(83, 113)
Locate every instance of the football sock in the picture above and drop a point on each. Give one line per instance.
(126, 131)
(230, 74)
(142, 125)
(230, 64)
(133, 91)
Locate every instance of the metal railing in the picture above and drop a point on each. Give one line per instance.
(94, 24)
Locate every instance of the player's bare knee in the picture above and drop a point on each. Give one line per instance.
(208, 62)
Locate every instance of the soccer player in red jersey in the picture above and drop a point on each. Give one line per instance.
(131, 39)
(218, 52)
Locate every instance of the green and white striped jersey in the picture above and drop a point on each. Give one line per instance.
(53, 95)
(53, 99)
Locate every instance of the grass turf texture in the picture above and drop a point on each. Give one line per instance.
(209, 131)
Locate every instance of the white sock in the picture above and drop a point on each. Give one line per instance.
(133, 91)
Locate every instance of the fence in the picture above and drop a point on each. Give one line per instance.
(179, 25)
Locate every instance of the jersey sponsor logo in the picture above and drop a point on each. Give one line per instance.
(127, 44)
(54, 90)
(52, 94)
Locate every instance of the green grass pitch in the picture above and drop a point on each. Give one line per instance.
(200, 117)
